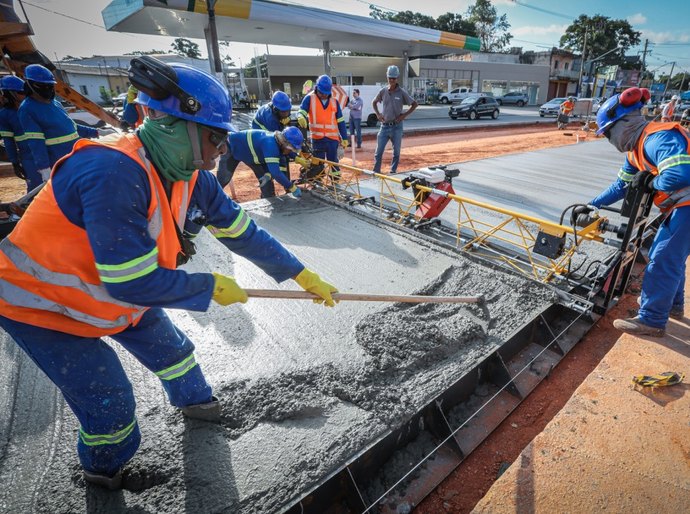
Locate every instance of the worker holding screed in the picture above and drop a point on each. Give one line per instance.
(97, 252)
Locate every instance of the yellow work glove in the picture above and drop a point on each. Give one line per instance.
(305, 163)
(302, 121)
(345, 143)
(226, 290)
(131, 94)
(310, 281)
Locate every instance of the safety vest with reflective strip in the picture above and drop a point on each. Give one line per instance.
(567, 107)
(666, 202)
(48, 277)
(322, 121)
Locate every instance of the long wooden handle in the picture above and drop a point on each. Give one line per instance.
(362, 297)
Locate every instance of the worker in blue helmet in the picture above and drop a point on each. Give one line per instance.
(274, 116)
(322, 113)
(12, 132)
(97, 253)
(50, 133)
(261, 151)
(657, 161)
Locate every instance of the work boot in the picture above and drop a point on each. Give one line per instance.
(635, 327)
(209, 411)
(677, 311)
(112, 483)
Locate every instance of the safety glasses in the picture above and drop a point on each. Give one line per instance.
(217, 138)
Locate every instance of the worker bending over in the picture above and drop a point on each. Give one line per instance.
(657, 160)
(323, 115)
(16, 146)
(49, 131)
(669, 109)
(96, 254)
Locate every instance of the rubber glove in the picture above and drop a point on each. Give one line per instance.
(311, 282)
(44, 173)
(265, 179)
(344, 143)
(131, 94)
(19, 170)
(226, 290)
(295, 191)
(302, 121)
(305, 163)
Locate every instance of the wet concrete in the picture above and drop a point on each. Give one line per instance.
(303, 388)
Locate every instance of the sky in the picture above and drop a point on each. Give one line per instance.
(75, 27)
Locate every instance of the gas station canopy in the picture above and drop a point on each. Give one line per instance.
(275, 23)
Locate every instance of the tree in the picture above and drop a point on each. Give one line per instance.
(603, 34)
(183, 46)
(146, 52)
(225, 58)
(492, 29)
(449, 22)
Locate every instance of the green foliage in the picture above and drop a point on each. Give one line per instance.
(183, 46)
(492, 29)
(147, 52)
(603, 34)
(448, 22)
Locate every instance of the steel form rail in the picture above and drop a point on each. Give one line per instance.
(471, 233)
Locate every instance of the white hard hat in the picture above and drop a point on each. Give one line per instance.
(675, 97)
(392, 72)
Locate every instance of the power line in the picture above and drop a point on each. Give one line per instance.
(64, 15)
(546, 11)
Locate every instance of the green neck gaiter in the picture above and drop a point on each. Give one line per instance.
(167, 142)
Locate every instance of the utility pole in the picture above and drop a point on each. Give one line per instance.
(644, 58)
(673, 65)
(582, 64)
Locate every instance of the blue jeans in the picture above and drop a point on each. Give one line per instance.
(356, 129)
(394, 133)
(664, 278)
(90, 376)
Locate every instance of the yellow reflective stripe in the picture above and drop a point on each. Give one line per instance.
(34, 135)
(6, 134)
(259, 124)
(100, 439)
(62, 139)
(239, 226)
(118, 273)
(676, 160)
(625, 176)
(21, 138)
(251, 148)
(272, 160)
(340, 119)
(177, 370)
(304, 113)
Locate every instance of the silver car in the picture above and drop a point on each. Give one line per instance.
(552, 107)
(513, 98)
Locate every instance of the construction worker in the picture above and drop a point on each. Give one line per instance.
(18, 151)
(97, 253)
(274, 116)
(669, 109)
(49, 131)
(323, 115)
(657, 160)
(261, 151)
(132, 112)
(565, 110)
(392, 99)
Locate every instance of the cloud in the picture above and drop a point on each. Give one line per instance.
(637, 19)
(665, 37)
(536, 30)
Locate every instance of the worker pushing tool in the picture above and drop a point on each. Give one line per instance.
(322, 113)
(658, 161)
(49, 131)
(12, 132)
(97, 253)
(261, 151)
(564, 112)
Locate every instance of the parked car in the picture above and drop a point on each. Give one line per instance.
(474, 107)
(119, 100)
(513, 98)
(455, 95)
(552, 107)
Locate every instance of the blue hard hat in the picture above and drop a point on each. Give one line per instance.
(324, 84)
(40, 74)
(212, 108)
(12, 83)
(294, 136)
(392, 72)
(281, 101)
(612, 110)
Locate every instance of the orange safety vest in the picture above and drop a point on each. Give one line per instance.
(666, 202)
(340, 95)
(322, 121)
(48, 275)
(567, 107)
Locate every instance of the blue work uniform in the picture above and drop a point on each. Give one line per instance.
(325, 147)
(663, 285)
(49, 131)
(16, 146)
(257, 149)
(265, 119)
(107, 194)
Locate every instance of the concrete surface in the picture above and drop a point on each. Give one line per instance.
(613, 447)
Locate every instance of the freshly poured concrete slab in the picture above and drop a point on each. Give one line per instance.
(303, 387)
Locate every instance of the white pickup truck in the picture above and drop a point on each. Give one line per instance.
(455, 95)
